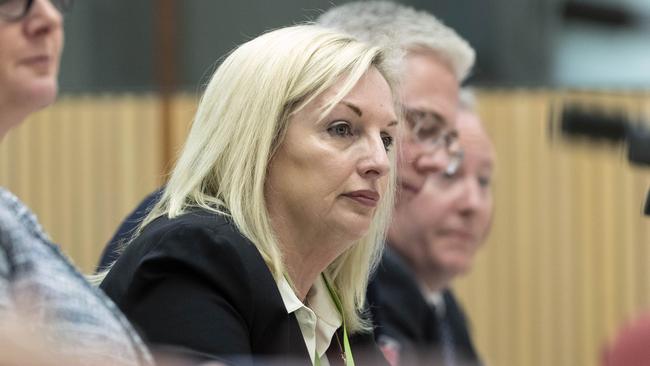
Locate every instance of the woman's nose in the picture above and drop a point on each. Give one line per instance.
(375, 163)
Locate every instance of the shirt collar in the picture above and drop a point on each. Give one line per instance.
(328, 318)
(435, 299)
(321, 303)
(289, 298)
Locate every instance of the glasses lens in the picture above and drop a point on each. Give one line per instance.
(430, 129)
(427, 127)
(451, 141)
(13, 9)
(446, 179)
(455, 161)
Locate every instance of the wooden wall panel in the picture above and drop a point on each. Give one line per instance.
(82, 164)
(567, 260)
(183, 109)
(565, 265)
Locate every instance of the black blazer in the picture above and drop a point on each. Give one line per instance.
(195, 285)
(402, 316)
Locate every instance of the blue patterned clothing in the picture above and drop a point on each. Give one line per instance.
(38, 282)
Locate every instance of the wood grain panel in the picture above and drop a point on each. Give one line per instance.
(565, 265)
(567, 260)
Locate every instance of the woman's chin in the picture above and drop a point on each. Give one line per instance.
(356, 227)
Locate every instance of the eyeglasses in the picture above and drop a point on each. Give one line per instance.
(15, 10)
(431, 130)
(455, 161)
(447, 178)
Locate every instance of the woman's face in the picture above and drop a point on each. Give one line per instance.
(329, 175)
(30, 49)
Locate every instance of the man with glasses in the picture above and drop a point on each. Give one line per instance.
(435, 237)
(417, 319)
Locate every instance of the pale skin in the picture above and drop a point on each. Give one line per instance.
(450, 221)
(30, 50)
(328, 176)
(429, 85)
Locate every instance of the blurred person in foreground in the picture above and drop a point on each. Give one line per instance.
(630, 346)
(262, 242)
(63, 319)
(441, 216)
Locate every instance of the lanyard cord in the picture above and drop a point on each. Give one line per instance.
(349, 360)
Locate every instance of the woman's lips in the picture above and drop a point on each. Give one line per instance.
(365, 197)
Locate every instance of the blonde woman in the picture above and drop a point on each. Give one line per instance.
(263, 239)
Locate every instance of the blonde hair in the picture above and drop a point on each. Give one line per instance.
(385, 22)
(241, 121)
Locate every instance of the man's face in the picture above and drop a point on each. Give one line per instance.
(438, 222)
(449, 218)
(429, 87)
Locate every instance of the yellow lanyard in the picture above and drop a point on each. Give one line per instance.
(349, 360)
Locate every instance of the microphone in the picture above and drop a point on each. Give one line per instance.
(600, 13)
(607, 126)
(612, 127)
(577, 121)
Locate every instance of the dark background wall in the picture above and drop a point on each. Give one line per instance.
(118, 45)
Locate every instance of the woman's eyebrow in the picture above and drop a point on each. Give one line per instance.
(359, 112)
(354, 108)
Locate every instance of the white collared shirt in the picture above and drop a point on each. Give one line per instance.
(435, 298)
(318, 322)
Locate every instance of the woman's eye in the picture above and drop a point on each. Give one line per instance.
(340, 129)
(388, 142)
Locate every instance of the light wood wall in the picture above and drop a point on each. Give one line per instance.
(568, 257)
(566, 263)
(85, 162)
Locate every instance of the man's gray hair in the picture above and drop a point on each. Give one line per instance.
(385, 22)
